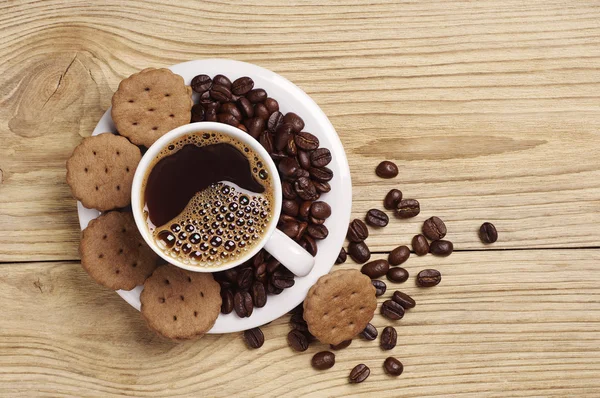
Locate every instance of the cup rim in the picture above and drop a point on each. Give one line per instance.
(161, 143)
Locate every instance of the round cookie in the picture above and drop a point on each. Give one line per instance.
(180, 304)
(100, 171)
(339, 306)
(149, 104)
(114, 253)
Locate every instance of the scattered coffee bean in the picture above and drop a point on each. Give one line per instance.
(387, 169)
(226, 301)
(357, 231)
(242, 85)
(254, 338)
(420, 245)
(297, 340)
(256, 95)
(201, 83)
(377, 218)
(323, 360)
(392, 199)
(341, 258)
(375, 269)
(408, 208)
(242, 303)
(341, 346)
(393, 367)
(359, 373)
(429, 278)
(399, 255)
(388, 338)
(397, 275)
(380, 287)
(370, 332)
(295, 121)
(392, 310)
(297, 322)
(442, 248)
(222, 80)
(359, 252)
(306, 141)
(404, 300)
(488, 233)
(434, 228)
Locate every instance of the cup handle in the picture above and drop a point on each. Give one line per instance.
(290, 254)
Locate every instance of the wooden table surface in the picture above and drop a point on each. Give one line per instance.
(490, 108)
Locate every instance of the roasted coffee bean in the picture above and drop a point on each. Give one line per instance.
(242, 85)
(260, 273)
(320, 209)
(266, 140)
(227, 118)
(288, 167)
(205, 98)
(242, 303)
(311, 245)
(305, 189)
(393, 367)
(282, 136)
(284, 218)
(201, 83)
(272, 289)
(429, 278)
(304, 160)
(305, 209)
(359, 373)
(392, 310)
(318, 231)
(322, 187)
(321, 174)
(275, 120)
(404, 300)
(272, 105)
(303, 226)
(258, 259)
(306, 141)
(255, 126)
(442, 248)
(392, 199)
(323, 360)
(316, 221)
(242, 127)
(290, 207)
(291, 147)
(303, 173)
(341, 258)
(370, 332)
(256, 95)
(357, 231)
(408, 208)
(387, 169)
(488, 233)
(434, 228)
(320, 157)
(254, 338)
(297, 322)
(380, 287)
(288, 190)
(388, 338)
(297, 340)
(399, 255)
(375, 269)
(246, 107)
(245, 277)
(231, 108)
(259, 295)
(359, 252)
(420, 245)
(295, 121)
(222, 80)
(377, 218)
(220, 93)
(272, 265)
(341, 346)
(261, 111)
(397, 275)
(290, 229)
(282, 278)
(231, 275)
(197, 113)
(226, 301)
(210, 114)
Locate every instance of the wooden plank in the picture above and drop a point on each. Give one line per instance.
(501, 324)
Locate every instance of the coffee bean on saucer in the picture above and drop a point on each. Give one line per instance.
(306, 141)
(227, 301)
(392, 199)
(288, 166)
(377, 218)
(291, 149)
(404, 300)
(310, 245)
(305, 209)
(359, 252)
(387, 169)
(408, 208)
(393, 367)
(272, 105)
(380, 287)
(227, 118)
(429, 278)
(254, 338)
(259, 295)
(255, 126)
(295, 121)
(282, 278)
(244, 278)
(397, 275)
(488, 233)
(288, 190)
(242, 303)
(320, 157)
(318, 231)
(289, 207)
(341, 258)
(370, 332)
(304, 159)
(420, 245)
(232, 109)
(442, 248)
(375, 269)
(357, 231)
(320, 209)
(388, 338)
(321, 174)
(261, 111)
(434, 228)
(399, 255)
(222, 80)
(246, 107)
(341, 346)
(305, 189)
(242, 85)
(201, 83)
(256, 95)
(197, 113)
(359, 373)
(274, 121)
(291, 228)
(220, 93)
(297, 340)
(392, 310)
(322, 187)
(323, 360)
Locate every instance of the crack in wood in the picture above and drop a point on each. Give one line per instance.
(60, 80)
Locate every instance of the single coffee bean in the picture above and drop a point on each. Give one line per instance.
(297, 322)
(404, 300)
(399, 255)
(255, 126)
(304, 159)
(392, 199)
(201, 83)
(305, 209)
(408, 208)
(420, 245)
(242, 127)
(393, 367)
(318, 231)
(282, 136)
(227, 118)
(359, 252)
(377, 218)
(357, 231)
(230, 107)
(222, 80)
(341, 346)
(272, 289)
(434, 228)
(231, 275)
(388, 338)
(303, 173)
(282, 278)
(245, 277)
(261, 111)
(242, 85)
(290, 228)
(323, 360)
(311, 245)
(246, 107)
(341, 258)
(266, 140)
(397, 275)
(320, 157)
(290, 207)
(288, 167)
(387, 169)
(321, 174)
(275, 120)
(320, 209)
(316, 221)
(210, 114)
(380, 287)
(375, 268)
(205, 98)
(297, 340)
(322, 187)
(272, 265)
(488, 233)
(370, 332)
(442, 248)
(359, 373)
(254, 338)
(226, 301)
(220, 93)
(288, 190)
(305, 189)
(242, 303)
(302, 229)
(260, 275)
(197, 113)
(295, 120)
(291, 148)
(277, 155)
(392, 310)
(306, 141)
(256, 95)
(429, 278)
(272, 105)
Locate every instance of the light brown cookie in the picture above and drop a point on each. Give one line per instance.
(149, 104)
(100, 171)
(114, 253)
(339, 306)
(180, 304)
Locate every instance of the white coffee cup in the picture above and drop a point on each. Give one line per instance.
(284, 249)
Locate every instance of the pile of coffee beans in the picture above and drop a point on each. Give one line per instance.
(302, 166)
